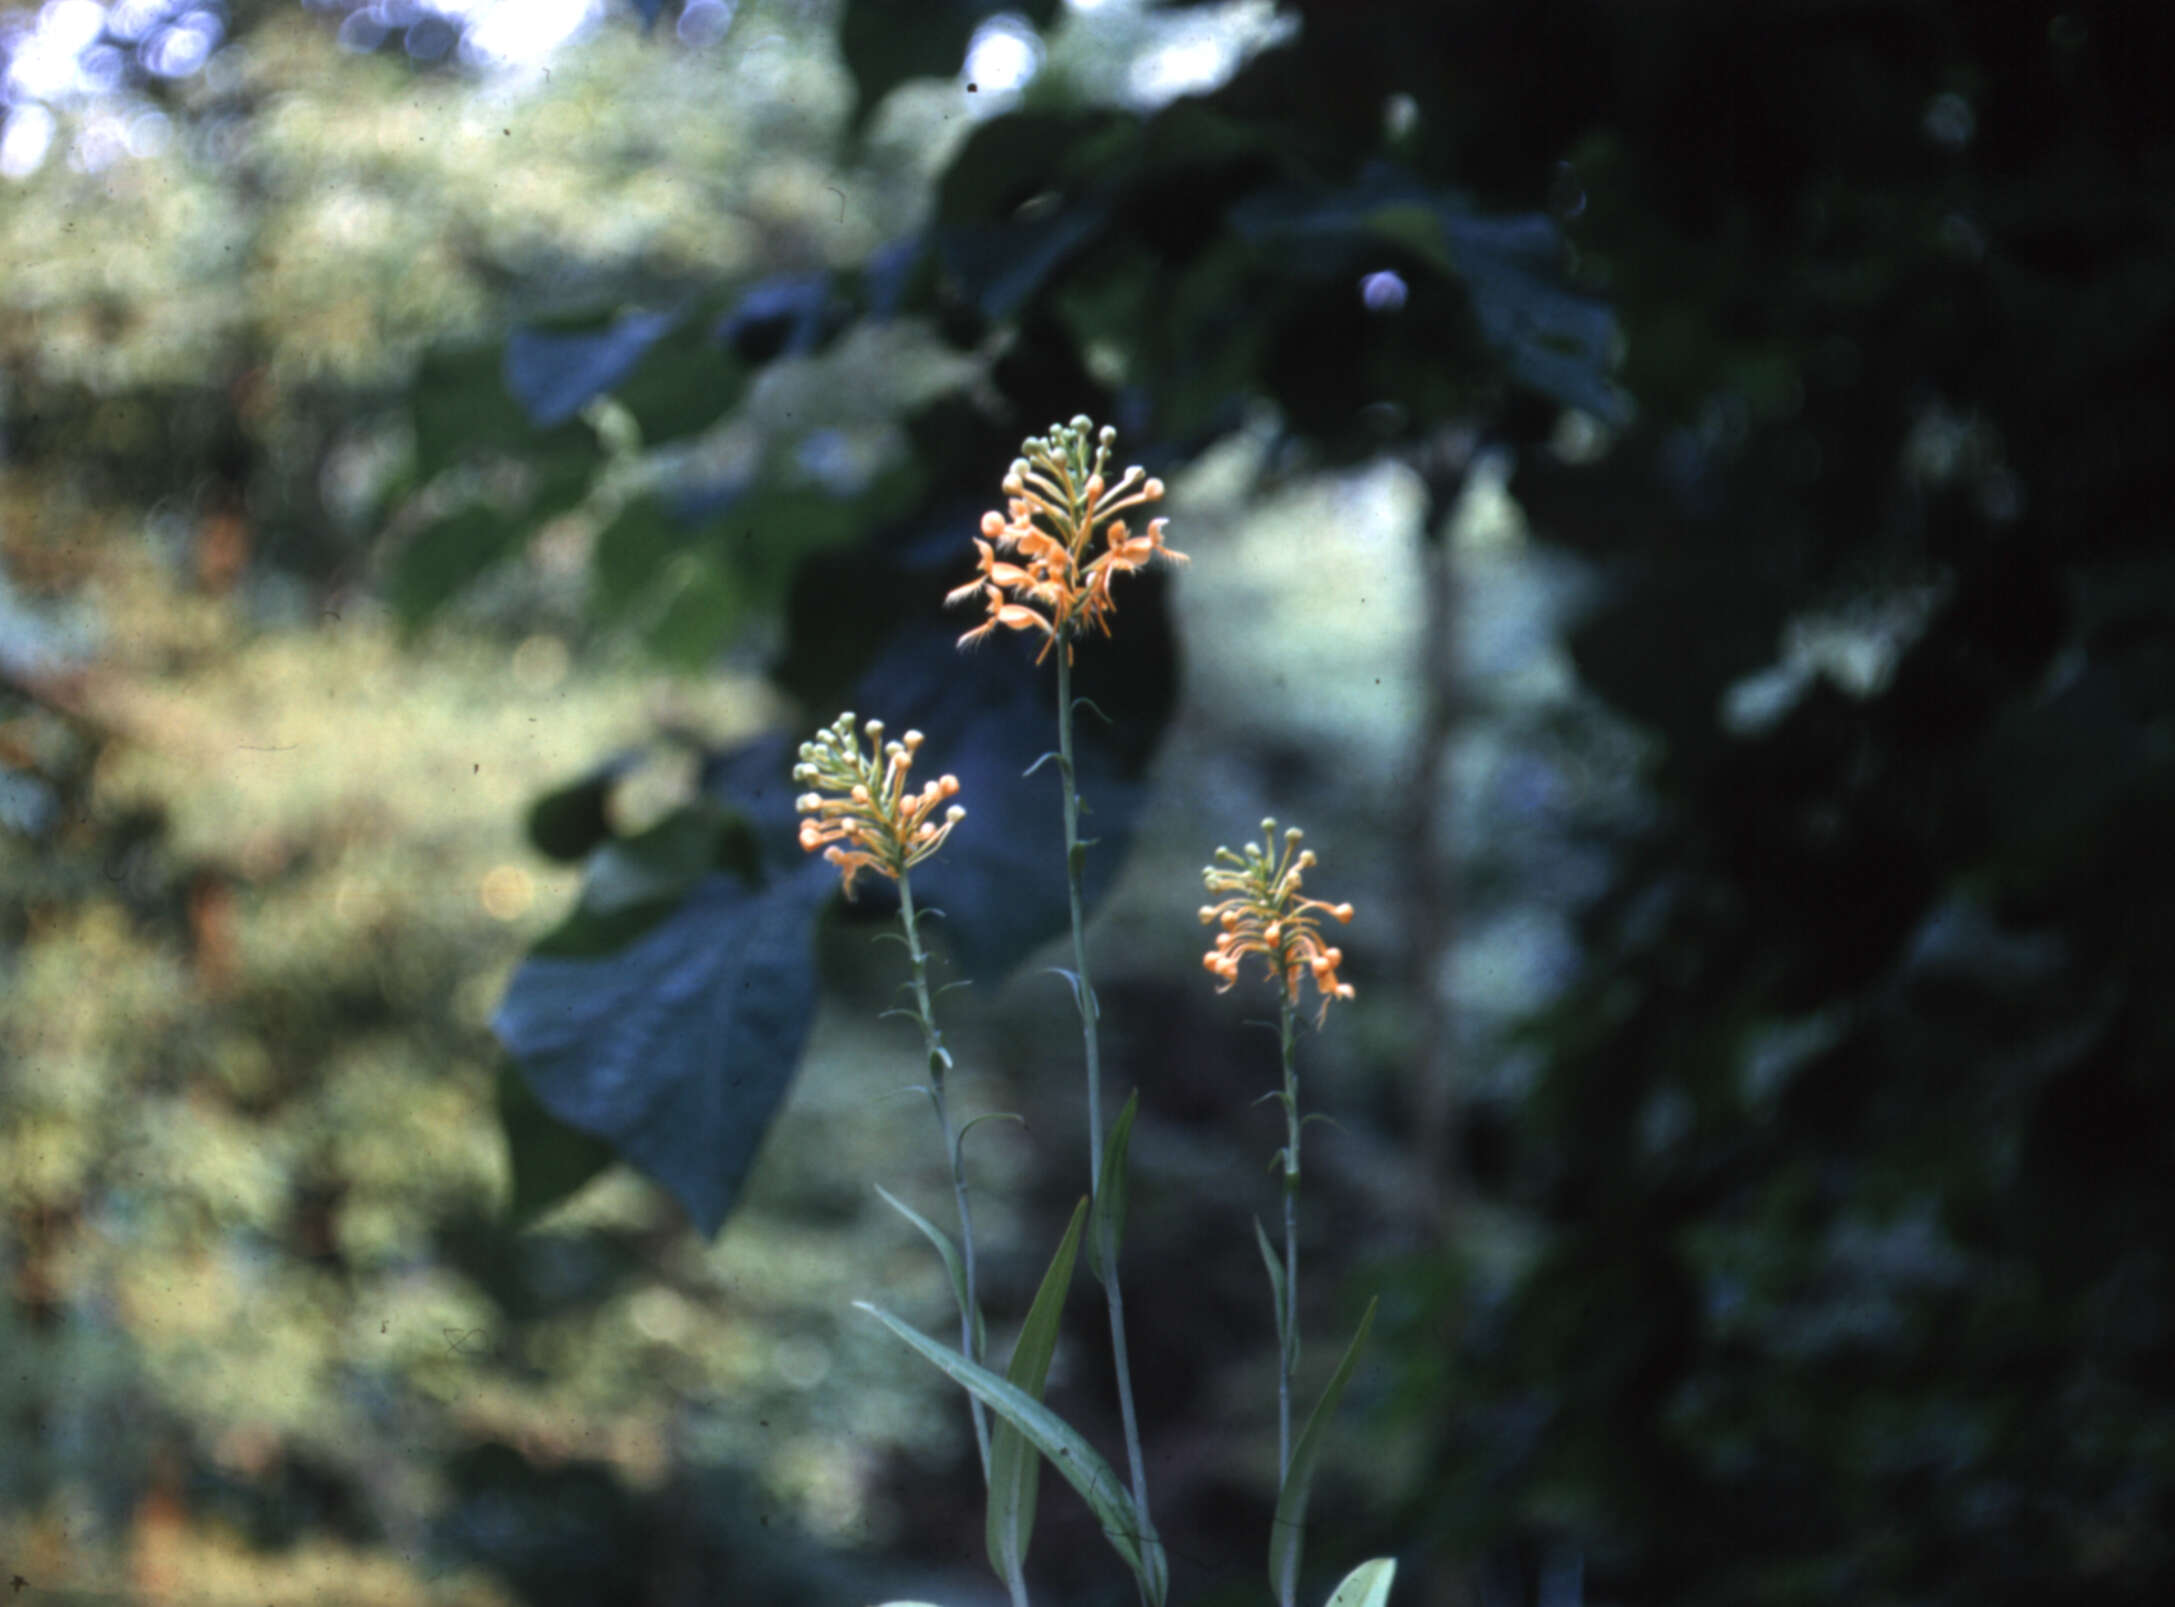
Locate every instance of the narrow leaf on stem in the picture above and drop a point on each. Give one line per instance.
(1015, 1471)
(1111, 1192)
(1275, 1264)
(944, 1247)
(1287, 1533)
(1077, 1462)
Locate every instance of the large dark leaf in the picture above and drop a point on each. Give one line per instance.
(677, 1046)
(550, 1161)
(1551, 339)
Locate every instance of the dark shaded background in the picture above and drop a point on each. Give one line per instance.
(1799, 1236)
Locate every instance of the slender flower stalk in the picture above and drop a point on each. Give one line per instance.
(861, 809)
(1265, 913)
(1039, 571)
(1090, 1010)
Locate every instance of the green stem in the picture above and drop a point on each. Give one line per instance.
(1287, 1362)
(1075, 860)
(955, 1161)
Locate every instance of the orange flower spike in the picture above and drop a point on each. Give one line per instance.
(1266, 914)
(859, 810)
(1058, 495)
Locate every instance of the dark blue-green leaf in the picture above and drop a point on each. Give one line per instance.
(676, 1048)
(550, 1161)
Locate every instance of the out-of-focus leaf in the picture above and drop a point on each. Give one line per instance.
(1015, 1470)
(632, 553)
(1287, 1533)
(884, 43)
(555, 373)
(755, 780)
(702, 607)
(567, 822)
(1013, 159)
(459, 404)
(685, 384)
(999, 266)
(676, 1047)
(1077, 1462)
(790, 315)
(551, 1161)
(440, 560)
(1552, 339)
(1368, 1585)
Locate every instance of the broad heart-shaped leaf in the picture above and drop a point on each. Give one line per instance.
(675, 1046)
(551, 1161)
(1368, 1585)
(1015, 1469)
(1110, 1193)
(1287, 1532)
(1077, 1462)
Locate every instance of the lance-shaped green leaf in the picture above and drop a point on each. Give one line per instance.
(1015, 1470)
(1288, 1532)
(1368, 1585)
(1276, 1284)
(1110, 1194)
(1076, 1461)
(944, 1247)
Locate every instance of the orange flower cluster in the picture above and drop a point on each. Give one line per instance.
(1058, 497)
(861, 807)
(1266, 915)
